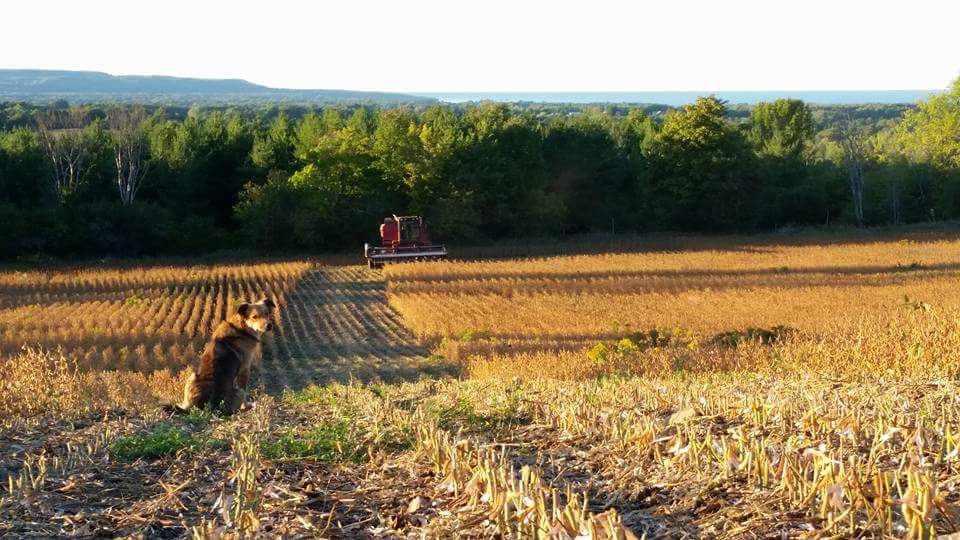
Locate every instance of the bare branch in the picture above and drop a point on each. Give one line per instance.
(130, 145)
(853, 143)
(66, 147)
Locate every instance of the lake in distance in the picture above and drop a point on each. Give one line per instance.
(823, 97)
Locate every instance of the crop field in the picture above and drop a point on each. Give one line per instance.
(853, 309)
(719, 388)
(130, 319)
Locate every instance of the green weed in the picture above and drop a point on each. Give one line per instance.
(333, 442)
(162, 440)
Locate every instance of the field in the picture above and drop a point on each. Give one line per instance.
(687, 388)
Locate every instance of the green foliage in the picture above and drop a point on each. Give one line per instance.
(307, 178)
(703, 175)
(591, 172)
(932, 132)
(284, 214)
(463, 414)
(22, 169)
(273, 150)
(400, 155)
(161, 440)
(199, 417)
(134, 299)
(311, 395)
(599, 355)
(782, 128)
(329, 441)
(469, 334)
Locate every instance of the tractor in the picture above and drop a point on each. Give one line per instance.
(403, 239)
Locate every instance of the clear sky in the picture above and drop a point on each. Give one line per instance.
(498, 45)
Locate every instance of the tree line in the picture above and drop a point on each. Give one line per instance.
(127, 180)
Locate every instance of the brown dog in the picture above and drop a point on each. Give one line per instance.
(221, 380)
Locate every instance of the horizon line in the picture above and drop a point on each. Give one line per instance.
(415, 92)
(434, 92)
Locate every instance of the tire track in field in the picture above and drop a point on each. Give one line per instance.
(336, 325)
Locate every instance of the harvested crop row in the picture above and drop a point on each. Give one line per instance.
(337, 326)
(562, 307)
(139, 319)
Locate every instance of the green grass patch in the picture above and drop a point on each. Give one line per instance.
(162, 440)
(310, 395)
(396, 439)
(199, 417)
(378, 389)
(134, 299)
(505, 413)
(333, 442)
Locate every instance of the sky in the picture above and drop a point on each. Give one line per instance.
(497, 45)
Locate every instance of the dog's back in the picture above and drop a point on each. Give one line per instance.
(221, 377)
(214, 384)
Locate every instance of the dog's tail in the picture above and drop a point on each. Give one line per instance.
(184, 406)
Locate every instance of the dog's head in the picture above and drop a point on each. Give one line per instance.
(257, 317)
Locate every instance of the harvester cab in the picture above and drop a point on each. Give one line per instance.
(403, 239)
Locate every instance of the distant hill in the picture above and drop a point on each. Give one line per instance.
(42, 85)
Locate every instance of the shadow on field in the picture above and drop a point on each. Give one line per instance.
(863, 270)
(677, 281)
(336, 327)
(593, 244)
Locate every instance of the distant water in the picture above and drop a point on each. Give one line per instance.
(826, 97)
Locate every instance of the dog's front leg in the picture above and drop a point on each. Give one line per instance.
(237, 401)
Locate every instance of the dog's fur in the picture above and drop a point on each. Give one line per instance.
(221, 380)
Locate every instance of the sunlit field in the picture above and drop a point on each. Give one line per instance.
(117, 334)
(794, 389)
(735, 388)
(136, 319)
(844, 308)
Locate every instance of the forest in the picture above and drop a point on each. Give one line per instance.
(131, 180)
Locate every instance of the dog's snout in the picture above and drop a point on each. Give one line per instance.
(269, 326)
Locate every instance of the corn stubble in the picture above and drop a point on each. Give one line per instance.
(801, 389)
(136, 319)
(745, 391)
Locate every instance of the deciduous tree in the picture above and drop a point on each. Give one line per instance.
(129, 130)
(68, 146)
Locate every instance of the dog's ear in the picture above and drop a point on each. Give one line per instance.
(269, 303)
(243, 310)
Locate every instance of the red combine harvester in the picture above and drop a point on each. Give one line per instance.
(402, 239)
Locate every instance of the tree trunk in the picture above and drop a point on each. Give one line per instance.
(855, 169)
(853, 142)
(895, 202)
(67, 149)
(130, 142)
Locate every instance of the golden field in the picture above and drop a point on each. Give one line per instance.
(708, 388)
(134, 319)
(851, 308)
(116, 335)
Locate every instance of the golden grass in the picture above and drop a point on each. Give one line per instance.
(849, 308)
(130, 319)
(48, 383)
(744, 391)
(752, 389)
